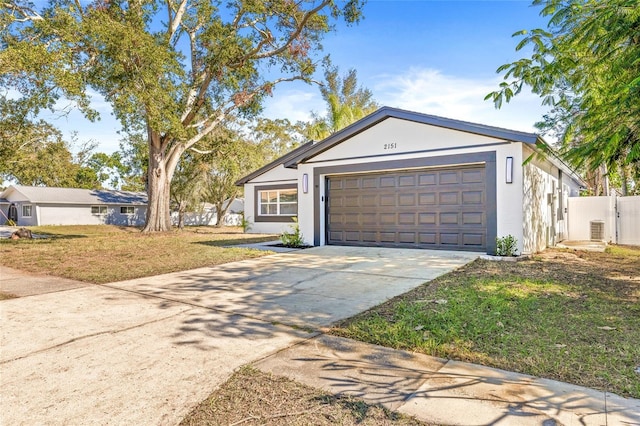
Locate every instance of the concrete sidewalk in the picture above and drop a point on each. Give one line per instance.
(445, 392)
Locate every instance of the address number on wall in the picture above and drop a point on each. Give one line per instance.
(392, 145)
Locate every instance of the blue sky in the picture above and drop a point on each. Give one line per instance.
(435, 57)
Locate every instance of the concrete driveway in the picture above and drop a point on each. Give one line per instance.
(146, 351)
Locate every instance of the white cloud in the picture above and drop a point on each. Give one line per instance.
(430, 91)
(294, 104)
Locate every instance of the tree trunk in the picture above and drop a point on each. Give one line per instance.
(181, 211)
(221, 211)
(159, 181)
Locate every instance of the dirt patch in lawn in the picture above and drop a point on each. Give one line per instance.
(572, 316)
(252, 397)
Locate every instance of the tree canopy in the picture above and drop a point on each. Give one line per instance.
(173, 69)
(346, 102)
(586, 66)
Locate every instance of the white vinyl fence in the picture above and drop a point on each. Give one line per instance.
(629, 220)
(611, 219)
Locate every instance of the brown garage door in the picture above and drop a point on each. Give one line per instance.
(430, 208)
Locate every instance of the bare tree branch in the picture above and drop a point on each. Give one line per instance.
(292, 37)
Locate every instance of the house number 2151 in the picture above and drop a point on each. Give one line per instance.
(392, 145)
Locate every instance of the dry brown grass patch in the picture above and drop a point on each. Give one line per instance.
(251, 397)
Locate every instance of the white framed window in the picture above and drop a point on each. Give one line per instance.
(278, 202)
(98, 210)
(127, 210)
(27, 210)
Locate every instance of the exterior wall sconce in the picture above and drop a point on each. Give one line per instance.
(305, 183)
(509, 170)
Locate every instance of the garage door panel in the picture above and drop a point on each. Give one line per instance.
(407, 181)
(472, 197)
(448, 218)
(473, 176)
(451, 239)
(434, 208)
(387, 237)
(387, 218)
(369, 183)
(406, 218)
(449, 198)
(388, 200)
(406, 200)
(427, 218)
(407, 237)
(426, 199)
(388, 182)
(475, 218)
(425, 179)
(369, 200)
(472, 240)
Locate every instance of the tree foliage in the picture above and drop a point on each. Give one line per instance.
(172, 69)
(586, 66)
(235, 157)
(346, 103)
(210, 178)
(33, 152)
(277, 137)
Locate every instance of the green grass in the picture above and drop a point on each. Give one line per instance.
(101, 254)
(571, 319)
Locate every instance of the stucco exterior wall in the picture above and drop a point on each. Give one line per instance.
(543, 203)
(534, 219)
(26, 220)
(65, 214)
(276, 176)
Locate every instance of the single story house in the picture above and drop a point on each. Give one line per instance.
(35, 205)
(404, 179)
(206, 215)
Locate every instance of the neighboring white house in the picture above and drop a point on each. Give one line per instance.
(404, 179)
(73, 206)
(206, 215)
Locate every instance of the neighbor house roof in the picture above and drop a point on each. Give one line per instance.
(388, 112)
(49, 195)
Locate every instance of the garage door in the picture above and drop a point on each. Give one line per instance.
(430, 208)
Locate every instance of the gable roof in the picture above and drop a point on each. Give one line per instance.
(51, 195)
(275, 163)
(312, 149)
(388, 112)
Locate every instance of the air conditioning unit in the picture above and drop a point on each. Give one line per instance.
(597, 230)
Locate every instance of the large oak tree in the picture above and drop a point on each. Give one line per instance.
(175, 69)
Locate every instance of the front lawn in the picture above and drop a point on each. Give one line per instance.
(104, 253)
(567, 316)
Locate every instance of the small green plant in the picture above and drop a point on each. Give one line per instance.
(245, 223)
(506, 246)
(294, 237)
(10, 222)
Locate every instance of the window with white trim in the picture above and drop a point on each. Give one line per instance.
(98, 210)
(278, 202)
(27, 210)
(127, 210)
